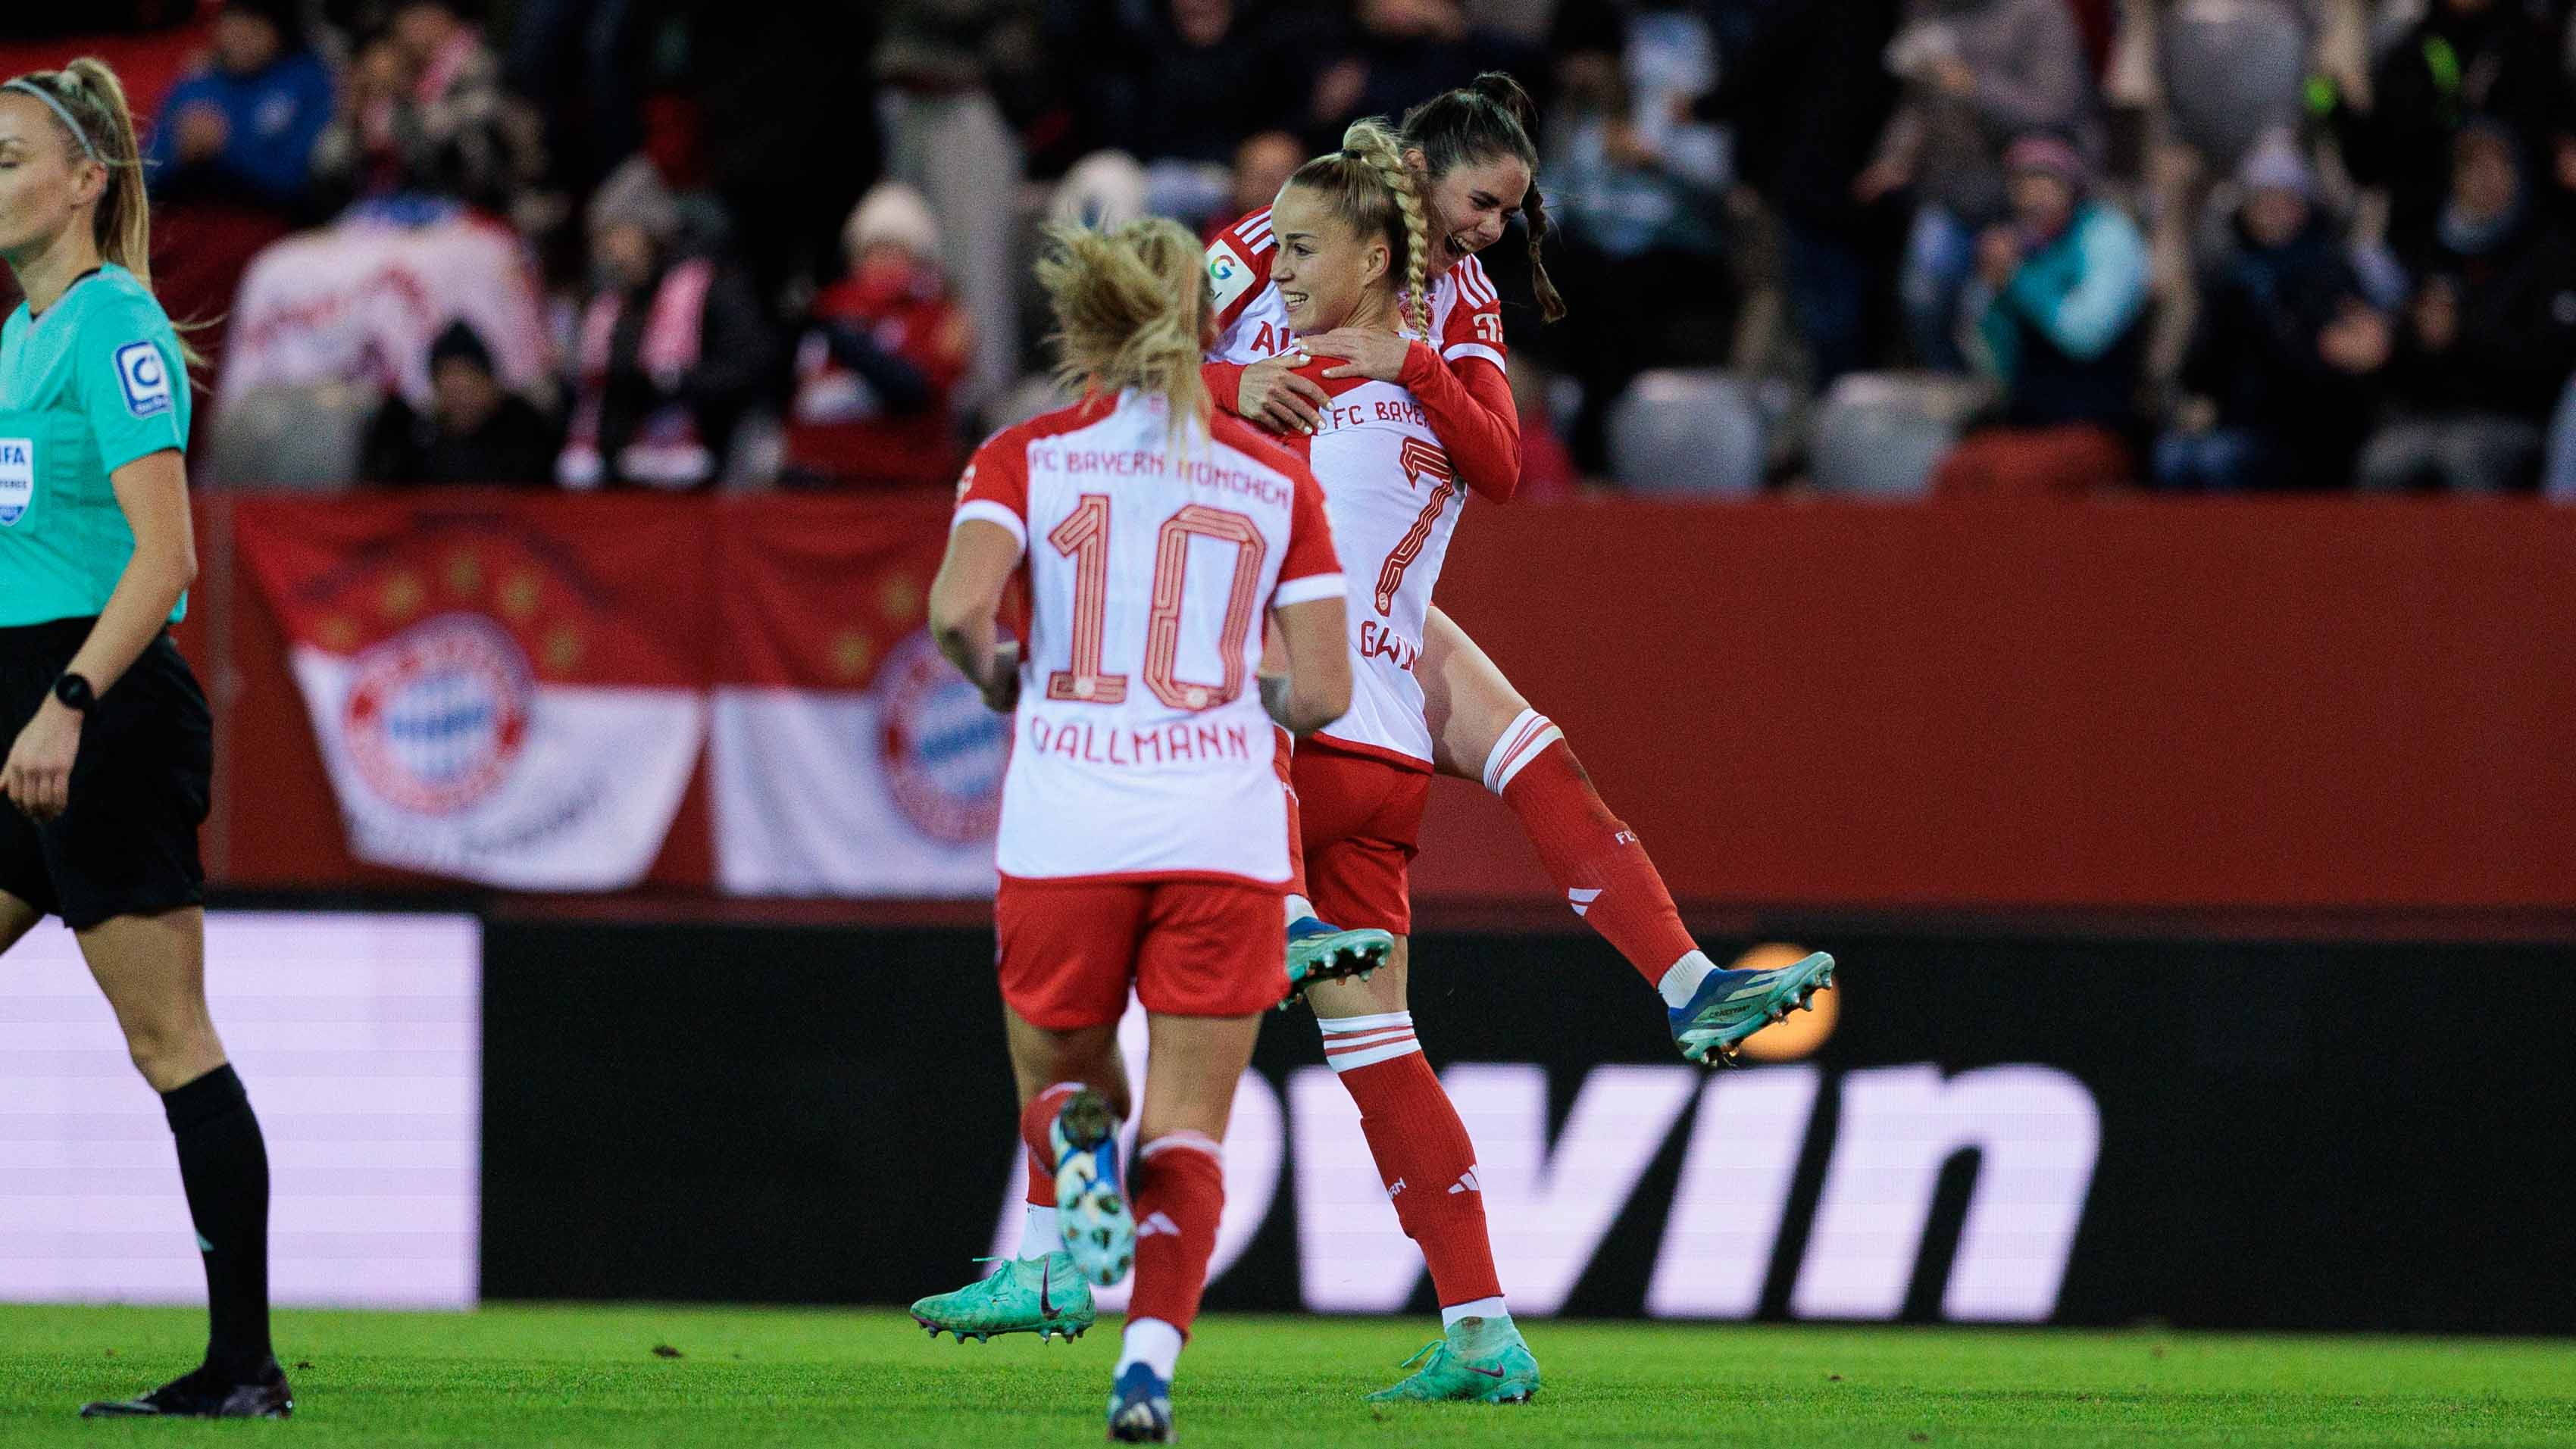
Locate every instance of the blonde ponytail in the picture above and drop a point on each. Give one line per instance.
(1368, 186)
(123, 222)
(88, 93)
(1131, 310)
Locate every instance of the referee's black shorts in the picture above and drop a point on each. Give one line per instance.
(127, 844)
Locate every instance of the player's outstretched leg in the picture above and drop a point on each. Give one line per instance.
(1613, 885)
(1317, 950)
(1037, 1292)
(1080, 1133)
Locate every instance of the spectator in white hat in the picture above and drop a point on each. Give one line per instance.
(881, 354)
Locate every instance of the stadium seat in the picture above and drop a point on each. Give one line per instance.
(1880, 434)
(303, 437)
(1687, 432)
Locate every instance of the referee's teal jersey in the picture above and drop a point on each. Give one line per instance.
(90, 386)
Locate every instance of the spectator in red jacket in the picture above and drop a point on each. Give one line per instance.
(882, 352)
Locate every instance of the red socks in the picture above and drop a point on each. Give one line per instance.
(1423, 1155)
(1590, 854)
(1177, 1191)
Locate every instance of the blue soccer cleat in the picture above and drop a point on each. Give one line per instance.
(1140, 1408)
(1090, 1196)
(1732, 1005)
(1321, 952)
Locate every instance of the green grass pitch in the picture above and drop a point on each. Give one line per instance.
(594, 1376)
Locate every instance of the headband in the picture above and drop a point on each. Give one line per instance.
(28, 87)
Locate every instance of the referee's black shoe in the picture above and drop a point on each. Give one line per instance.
(207, 1394)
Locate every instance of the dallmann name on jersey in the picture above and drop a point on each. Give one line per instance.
(1173, 744)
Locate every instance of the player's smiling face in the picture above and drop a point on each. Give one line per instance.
(1472, 205)
(41, 187)
(1324, 271)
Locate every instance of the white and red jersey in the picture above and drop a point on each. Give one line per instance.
(1394, 503)
(1252, 323)
(1140, 748)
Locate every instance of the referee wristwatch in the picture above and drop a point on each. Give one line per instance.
(75, 693)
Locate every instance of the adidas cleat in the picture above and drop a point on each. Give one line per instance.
(1044, 1296)
(1140, 1408)
(204, 1394)
(1732, 1005)
(1321, 952)
(1090, 1198)
(1508, 1375)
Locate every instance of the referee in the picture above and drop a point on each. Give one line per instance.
(110, 747)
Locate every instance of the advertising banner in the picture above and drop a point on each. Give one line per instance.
(849, 758)
(359, 1038)
(1994, 1130)
(514, 698)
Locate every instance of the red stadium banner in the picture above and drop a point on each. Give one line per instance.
(848, 758)
(511, 693)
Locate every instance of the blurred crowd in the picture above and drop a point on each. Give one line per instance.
(1885, 247)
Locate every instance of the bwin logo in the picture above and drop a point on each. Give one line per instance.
(1551, 1199)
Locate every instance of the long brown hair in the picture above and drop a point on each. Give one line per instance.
(1488, 117)
(1373, 192)
(1131, 310)
(88, 91)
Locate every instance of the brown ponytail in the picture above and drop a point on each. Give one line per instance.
(89, 92)
(1131, 310)
(1488, 117)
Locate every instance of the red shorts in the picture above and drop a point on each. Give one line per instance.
(1360, 819)
(1192, 947)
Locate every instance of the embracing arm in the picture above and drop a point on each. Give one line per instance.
(1472, 411)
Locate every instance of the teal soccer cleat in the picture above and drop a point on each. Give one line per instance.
(1732, 1005)
(1044, 1296)
(1321, 952)
(1504, 1375)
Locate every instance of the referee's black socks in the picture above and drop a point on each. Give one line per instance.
(223, 1162)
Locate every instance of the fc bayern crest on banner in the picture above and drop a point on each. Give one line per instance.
(437, 714)
(944, 751)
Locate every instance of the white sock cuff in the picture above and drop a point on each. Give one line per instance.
(1038, 1233)
(1523, 740)
(1344, 1025)
(1360, 1041)
(1153, 1343)
(1183, 1142)
(1473, 1308)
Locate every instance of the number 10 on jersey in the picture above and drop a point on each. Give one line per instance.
(1084, 535)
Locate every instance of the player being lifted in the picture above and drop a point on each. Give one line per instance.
(1470, 153)
(1143, 838)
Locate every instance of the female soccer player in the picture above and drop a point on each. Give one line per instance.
(110, 748)
(1471, 153)
(1351, 246)
(1143, 838)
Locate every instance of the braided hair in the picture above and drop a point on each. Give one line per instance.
(1375, 194)
(1489, 117)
